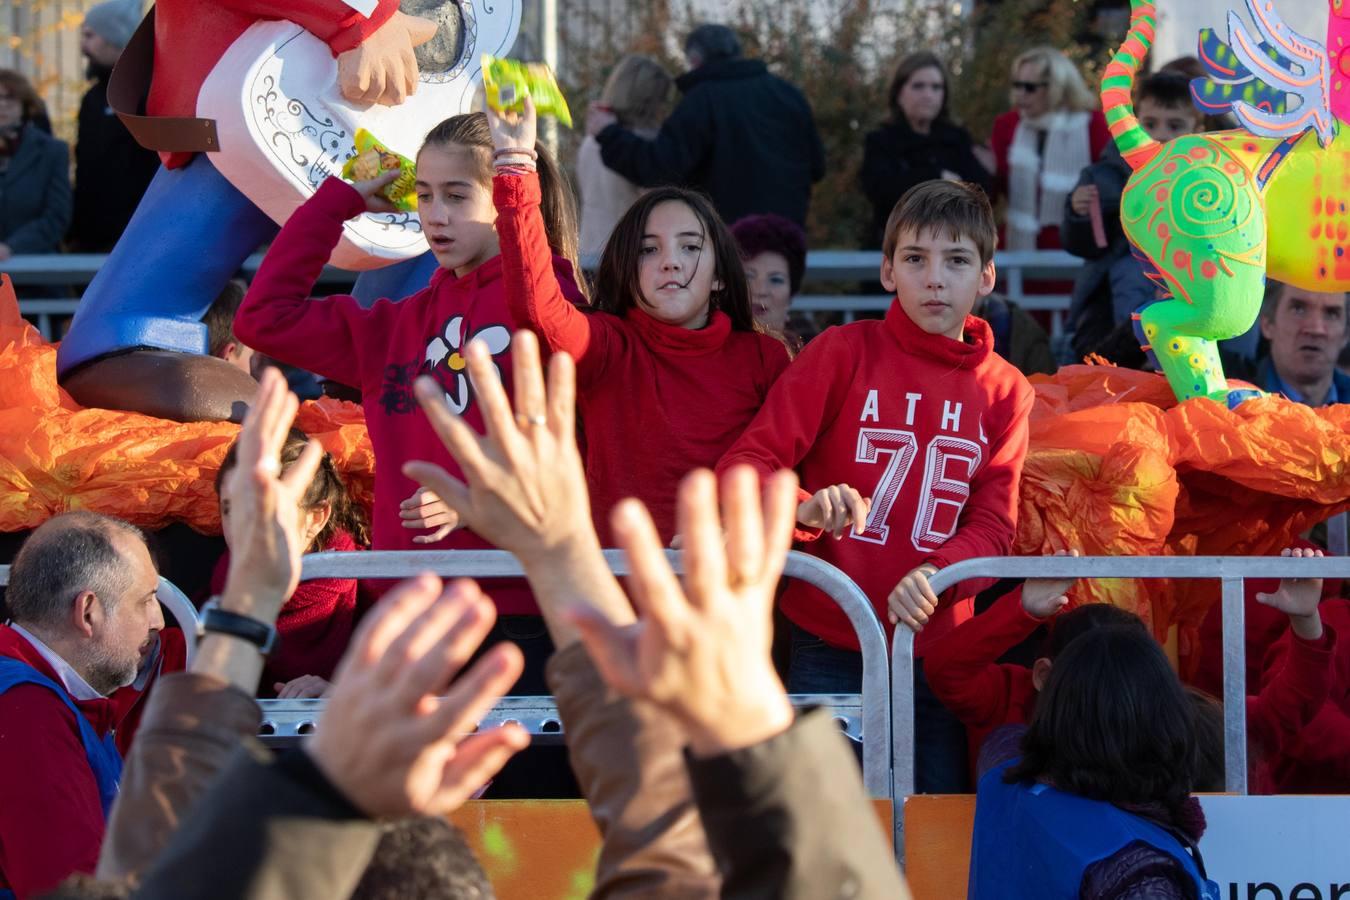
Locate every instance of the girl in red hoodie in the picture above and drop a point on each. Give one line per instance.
(381, 350)
(315, 625)
(670, 366)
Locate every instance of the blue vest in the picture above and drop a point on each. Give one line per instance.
(1033, 842)
(104, 760)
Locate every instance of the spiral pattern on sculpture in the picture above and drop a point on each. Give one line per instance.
(1206, 203)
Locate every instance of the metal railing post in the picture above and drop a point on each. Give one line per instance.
(1234, 686)
(902, 727)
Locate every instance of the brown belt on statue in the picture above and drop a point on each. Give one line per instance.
(130, 85)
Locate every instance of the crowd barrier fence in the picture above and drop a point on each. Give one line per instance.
(1016, 268)
(1231, 571)
(873, 722)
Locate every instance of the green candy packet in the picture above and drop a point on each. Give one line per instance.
(507, 82)
(373, 159)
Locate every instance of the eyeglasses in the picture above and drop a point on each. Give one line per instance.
(1029, 87)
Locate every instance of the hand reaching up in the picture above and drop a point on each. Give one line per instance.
(1299, 598)
(701, 650)
(265, 529)
(396, 736)
(524, 486)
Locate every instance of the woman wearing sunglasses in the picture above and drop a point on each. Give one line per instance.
(1053, 131)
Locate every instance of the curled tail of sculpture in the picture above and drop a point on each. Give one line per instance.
(1118, 84)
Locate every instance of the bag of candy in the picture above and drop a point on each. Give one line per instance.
(507, 82)
(373, 159)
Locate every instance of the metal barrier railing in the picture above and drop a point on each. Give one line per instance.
(1014, 268)
(875, 700)
(1231, 571)
(174, 600)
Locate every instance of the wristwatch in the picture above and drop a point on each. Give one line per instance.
(246, 628)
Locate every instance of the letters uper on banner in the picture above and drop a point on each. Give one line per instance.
(1278, 848)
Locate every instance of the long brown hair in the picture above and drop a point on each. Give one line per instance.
(616, 283)
(912, 63)
(470, 131)
(344, 514)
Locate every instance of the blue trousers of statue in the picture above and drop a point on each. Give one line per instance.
(190, 234)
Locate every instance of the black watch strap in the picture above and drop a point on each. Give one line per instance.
(260, 634)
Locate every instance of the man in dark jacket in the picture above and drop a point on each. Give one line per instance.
(744, 137)
(112, 171)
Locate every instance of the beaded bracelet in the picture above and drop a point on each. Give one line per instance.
(523, 167)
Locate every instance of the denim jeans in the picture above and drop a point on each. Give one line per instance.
(940, 756)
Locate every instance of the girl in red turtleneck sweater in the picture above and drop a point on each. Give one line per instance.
(670, 368)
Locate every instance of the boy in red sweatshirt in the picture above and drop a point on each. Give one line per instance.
(917, 411)
(986, 695)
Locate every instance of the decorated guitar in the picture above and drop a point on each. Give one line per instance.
(284, 125)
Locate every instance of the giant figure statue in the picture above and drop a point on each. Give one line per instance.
(250, 112)
(1213, 214)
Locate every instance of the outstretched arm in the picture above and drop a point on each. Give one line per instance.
(669, 158)
(533, 293)
(331, 336)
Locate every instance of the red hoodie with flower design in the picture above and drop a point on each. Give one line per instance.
(383, 349)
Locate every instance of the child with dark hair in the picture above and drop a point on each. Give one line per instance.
(670, 365)
(383, 348)
(221, 340)
(773, 251)
(965, 674)
(919, 412)
(316, 623)
(963, 668)
(1112, 284)
(1097, 801)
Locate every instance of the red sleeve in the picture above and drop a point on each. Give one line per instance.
(989, 520)
(961, 666)
(335, 23)
(326, 336)
(1000, 141)
(1099, 134)
(51, 823)
(1293, 694)
(535, 297)
(799, 407)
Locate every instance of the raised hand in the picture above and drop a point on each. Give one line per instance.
(1043, 597)
(524, 487)
(266, 526)
(425, 510)
(701, 651)
(1298, 598)
(396, 735)
(383, 67)
(514, 131)
(834, 508)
